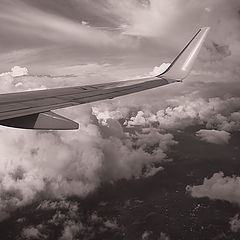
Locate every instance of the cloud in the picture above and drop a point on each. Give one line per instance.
(49, 26)
(214, 136)
(164, 236)
(111, 224)
(16, 71)
(146, 235)
(141, 32)
(70, 231)
(218, 113)
(222, 50)
(53, 40)
(152, 171)
(164, 19)
(235, 223)
(68, 216)
(218, 187)
(158, 70)
(32, 233)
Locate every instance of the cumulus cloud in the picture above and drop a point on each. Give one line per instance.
(32, 232)
(164, 236)
(186, 111)
(112, 224)
(218, 187)
(74, 223)
(152, 171)
(71, 229)
(158, 70)
(235, 223)
(16, 71)
(214, 136)
(146, 235)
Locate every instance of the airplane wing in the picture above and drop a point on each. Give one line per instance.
(32, 109)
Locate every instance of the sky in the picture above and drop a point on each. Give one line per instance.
(56, 43)
(55, 37)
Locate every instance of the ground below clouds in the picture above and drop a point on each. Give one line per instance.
(157, 207)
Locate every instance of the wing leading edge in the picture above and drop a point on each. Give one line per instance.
(32, 109)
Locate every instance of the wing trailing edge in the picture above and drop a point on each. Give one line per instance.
(182, 64)
(41, 121)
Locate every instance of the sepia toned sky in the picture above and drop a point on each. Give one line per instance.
(49, 36)
(56, 43)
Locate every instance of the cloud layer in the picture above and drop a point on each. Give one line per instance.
(120, 40)
(77, 162)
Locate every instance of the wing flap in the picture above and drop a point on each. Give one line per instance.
(182, 64)
(41, 121)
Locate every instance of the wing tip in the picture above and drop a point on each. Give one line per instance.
(182, 64)
(205, 29)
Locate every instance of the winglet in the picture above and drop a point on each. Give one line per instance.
(182, 64)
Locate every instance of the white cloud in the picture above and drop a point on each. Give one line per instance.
(51, 27)
(152, 171)
(32, 233)
(16, 71)
(186, 111)
(84, 23)
(235, 223)
(208, 9)
(146, 235)
(158, 18)
(71, 229)
(19, 71)
(112, 224)
(164, 236)
(214, 136)
(7, 79)
(218, 187)
(139, 119)
(158, 70)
